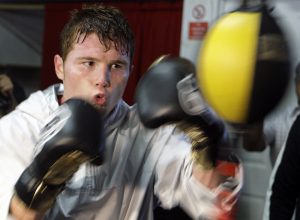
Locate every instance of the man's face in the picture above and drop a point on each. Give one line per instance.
(93, 73)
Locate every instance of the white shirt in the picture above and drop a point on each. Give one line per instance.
(139, 163)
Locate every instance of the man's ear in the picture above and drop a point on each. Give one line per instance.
(131, 68)
(59, 66)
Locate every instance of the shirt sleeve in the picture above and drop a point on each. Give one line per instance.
(175, 184)
(16, 148)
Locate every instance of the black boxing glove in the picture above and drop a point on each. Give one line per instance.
(74, 135)
(168, 93)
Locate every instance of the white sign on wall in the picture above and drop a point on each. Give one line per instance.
(197, 17)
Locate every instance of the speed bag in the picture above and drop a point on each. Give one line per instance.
(243, 68)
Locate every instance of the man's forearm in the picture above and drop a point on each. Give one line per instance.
(211, 178)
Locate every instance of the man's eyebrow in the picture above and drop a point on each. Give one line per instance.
(87, 58)
(120, 61)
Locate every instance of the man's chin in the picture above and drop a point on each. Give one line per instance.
(101, 108)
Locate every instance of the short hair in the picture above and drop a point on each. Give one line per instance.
(110, 25)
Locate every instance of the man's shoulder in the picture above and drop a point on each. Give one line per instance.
(40, 102)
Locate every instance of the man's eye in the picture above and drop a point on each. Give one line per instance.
(116, 66)
(89, 63)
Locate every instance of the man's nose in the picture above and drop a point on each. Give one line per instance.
(103, 77)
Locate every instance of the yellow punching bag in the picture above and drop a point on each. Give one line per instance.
(243, 67)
